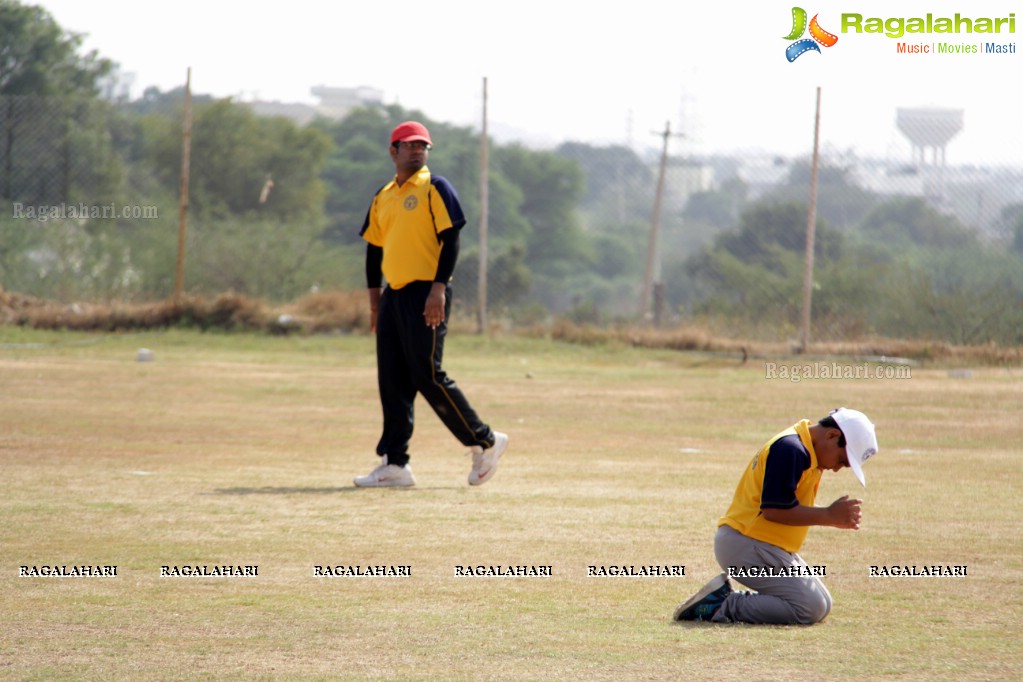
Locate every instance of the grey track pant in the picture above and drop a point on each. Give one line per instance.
(778, 600)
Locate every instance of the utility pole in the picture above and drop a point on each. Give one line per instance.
(811, 229)
(482, 290)
(186, 154)
(651, 279)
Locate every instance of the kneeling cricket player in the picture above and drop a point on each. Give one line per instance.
(760, 535)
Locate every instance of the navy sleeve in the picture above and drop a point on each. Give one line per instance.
(448, 256)
(786, 462)
(450, 197)
(374, 260)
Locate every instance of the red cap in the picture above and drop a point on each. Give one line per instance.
(410, 131)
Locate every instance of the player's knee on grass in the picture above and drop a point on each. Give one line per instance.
(814, 608)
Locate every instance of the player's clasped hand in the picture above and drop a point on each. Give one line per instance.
(847, 513)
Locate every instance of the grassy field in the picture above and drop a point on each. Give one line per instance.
(240, 450)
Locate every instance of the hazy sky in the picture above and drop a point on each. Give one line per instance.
(567, 69)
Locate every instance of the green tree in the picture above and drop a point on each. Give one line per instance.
(615, 214)
(55, 143)
(37, 57)
(357, 167)
(551, 187)
(56, 147)
(508, 225)
(1011, 224)
(509, 280)
(756, 270)
(616, 179)
(234, 154)
(943, 295)
(910, 221)
(840, 201)
(718, 207)
(727, 284)
(764, 228)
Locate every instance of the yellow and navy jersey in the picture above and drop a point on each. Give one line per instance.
(782, 475)
(405, 222)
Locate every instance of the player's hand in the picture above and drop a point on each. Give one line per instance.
(845, 513)
(433, 313)
(375, 294)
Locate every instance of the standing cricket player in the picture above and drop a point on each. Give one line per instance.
(411, 231)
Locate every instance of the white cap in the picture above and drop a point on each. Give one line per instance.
(860, 439)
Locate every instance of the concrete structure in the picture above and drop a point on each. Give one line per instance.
(335, 103)
(930, 129)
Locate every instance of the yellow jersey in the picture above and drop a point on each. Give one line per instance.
(406, 220)
(792, 480)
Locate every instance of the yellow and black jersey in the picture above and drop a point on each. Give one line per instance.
(405, 222)
(781, 475)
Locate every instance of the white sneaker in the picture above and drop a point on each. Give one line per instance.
(484, 462)
(387, 476)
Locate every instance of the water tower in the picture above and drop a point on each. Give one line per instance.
(930, 128)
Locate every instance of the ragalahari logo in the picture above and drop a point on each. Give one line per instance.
(817, 35)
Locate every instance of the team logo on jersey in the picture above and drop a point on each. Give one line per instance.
(411, 203)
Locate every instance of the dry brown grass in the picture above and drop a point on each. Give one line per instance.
(230, 312)
(326, 312)
(696, 338)
(315, 313)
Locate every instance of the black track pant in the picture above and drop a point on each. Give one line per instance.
(409, 355)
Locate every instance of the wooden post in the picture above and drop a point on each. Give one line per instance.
(481, 297)
(811, 229)
(655, 220)
(186, 153)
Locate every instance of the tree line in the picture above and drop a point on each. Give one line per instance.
(275, 209)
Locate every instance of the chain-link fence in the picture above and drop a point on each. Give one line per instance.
(910, 245)
(91, 202)
(907, 246)
(56, 150)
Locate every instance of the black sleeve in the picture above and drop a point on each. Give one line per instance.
(374, 259)
(786, 462)
(448, 255)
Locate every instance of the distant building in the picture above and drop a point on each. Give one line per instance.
(763, 172)
(116, 86)
(335, 103)
(930, 128)
(683, 178)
